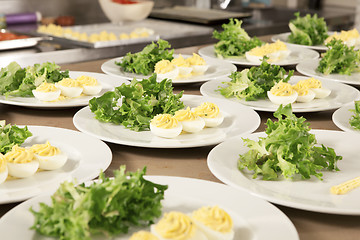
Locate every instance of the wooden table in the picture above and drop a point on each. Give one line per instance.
(188, 162)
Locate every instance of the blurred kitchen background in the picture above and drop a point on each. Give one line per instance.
(260, 17)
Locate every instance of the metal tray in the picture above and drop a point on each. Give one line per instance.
(21, 43)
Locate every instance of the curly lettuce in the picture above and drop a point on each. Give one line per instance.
(354, 120)
(233, 41)
(288, 149)
(308, 30)
(11, 135)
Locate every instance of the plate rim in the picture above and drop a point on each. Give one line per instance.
(275, 37)
(200, 144)
(282, 202)
(344, 110)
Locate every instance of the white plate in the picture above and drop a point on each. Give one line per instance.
(86, 157)
(185, 195)
(284, 38)
(308, 68)
(297, 55)
(340, 94)
(342, 116)
(108, 83)
(217, 69)
(239, 119)
(312, 194)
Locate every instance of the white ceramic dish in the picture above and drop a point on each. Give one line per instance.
(185, 195)
(342, 116)
(108, 83)
(239, 119)
(284, 38)
(217, 69)
(312, 194)
(297, 55)
(86, 157)
(340, 94)
(308, 68)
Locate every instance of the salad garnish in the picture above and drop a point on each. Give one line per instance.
(11, 135)
(287, 150)
(355, 119)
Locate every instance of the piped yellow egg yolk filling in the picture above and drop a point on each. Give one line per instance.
(20, 155)
(143, 235)
(2, 163)
(282, 89)
(175, 225)
(87, 80)
(312, 83)
(344, 35)
(180, 61)
(69, 82)
(47, 87)
(166, 121)
(207, 110)
(215, 218)
(302, 88)
(185, 115)
(164, 66)
(268, 48)
(45, 150)
(196, 60)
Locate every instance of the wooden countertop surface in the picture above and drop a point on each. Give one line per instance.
(188, 162)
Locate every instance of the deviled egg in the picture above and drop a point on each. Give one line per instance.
(274, 51)
(3, 169)
(214, 222)
(49, 157)
(282, 93)
(21, 162)
(304, 93)
(46, 92)
(350, 38)
(211, 114)
(165, 69)
(90, 85)
(177, 225)
(190, 121)
(316, 86)
(184, 66)
(198, 64)
(166, 126)
(69, 87)
(143, 235)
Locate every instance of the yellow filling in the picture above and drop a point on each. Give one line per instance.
(196, 60)
(313, 83)
(47, 87)
(268, 48)
(69, 82)
(282, 89)
(2, 163)
(20, 155)
(302, 88)
(346, 186)
(86, 80)
(143, 235)
(163, 66)
(180, 62)
(215, 218)
(175, 225)
(344, 35)
(207, 110)
(165, 121)
(45, 150)
(186, 115)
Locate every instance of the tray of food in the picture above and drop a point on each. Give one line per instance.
(12, 40)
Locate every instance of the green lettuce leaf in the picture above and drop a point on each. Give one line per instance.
(11, 135)
(355, 118)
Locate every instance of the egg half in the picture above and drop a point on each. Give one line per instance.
(69, 87)
(214, 222)
(304, 93)
(90, 85)
(316, 86)
(165, 69)
(198, 64)
(350, 38)
(274, 51)
(46, 92)
(190, 121)
(49, 157)
(166, 126)
(211, 114)
(282, 93)
(21, 162)
(3, 169)
(184, 67)
(176, 225)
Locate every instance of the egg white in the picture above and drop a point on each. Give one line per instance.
(70, 92)
(198, 235)
(3, 175)
(23, 170)
(185, 71)
(199, 69)
(193, 126)
(46, 96)
(166, 132)
(284, 100)
(306, 98)
(92, 90)
(173, 74)
(321, 92)
(212, 234)
(52, 162)
(273, 57)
